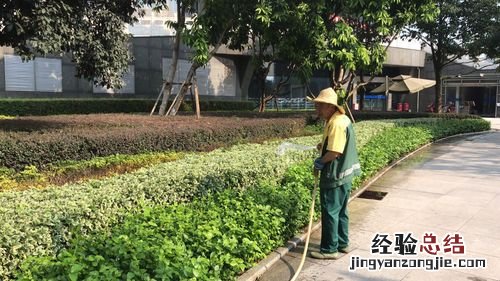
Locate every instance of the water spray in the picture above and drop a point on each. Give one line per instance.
(287, 146)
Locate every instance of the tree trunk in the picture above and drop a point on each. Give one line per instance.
(176, 104)
(438, 100)
(336, 76)
(331, 78)
(262, 74)
(174, 108)
(175, 57)
(339, 77)
(170, 76)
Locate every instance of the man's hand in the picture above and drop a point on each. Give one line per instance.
(318, 146)
(318, 165)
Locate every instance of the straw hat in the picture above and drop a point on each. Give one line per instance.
(329, 96)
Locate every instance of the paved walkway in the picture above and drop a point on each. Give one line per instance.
(450, 187)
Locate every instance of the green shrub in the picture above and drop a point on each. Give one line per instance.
(380, 143)
(63, 140)
(377, 115)
(40, 223)
(212, 239)
(292, 200)
(219, 236)
(389, 146)
(72, 171)
(24, 107)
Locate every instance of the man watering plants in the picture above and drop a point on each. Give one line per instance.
(337, 166)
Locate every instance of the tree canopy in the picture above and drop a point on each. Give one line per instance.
(344, 37)
(358, 32)
(92, 31)
(463, 27)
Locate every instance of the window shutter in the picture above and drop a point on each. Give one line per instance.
(19, 75)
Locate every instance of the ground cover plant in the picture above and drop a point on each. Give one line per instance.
(203, 240)
(218, 236)
(42, 223)
(39, 222)
(75, 171)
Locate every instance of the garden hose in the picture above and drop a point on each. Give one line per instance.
(308, 235)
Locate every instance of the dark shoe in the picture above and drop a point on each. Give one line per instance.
(346, 249)
(325, 256)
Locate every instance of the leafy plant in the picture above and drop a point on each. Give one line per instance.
(73, 171)
(43, 222)
(40, 141)
(214, 238)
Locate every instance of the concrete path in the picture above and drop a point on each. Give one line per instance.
(452, 187)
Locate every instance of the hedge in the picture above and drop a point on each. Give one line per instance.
(357, 115)
(376, 115)
(39, 141)
(219, 236)
(42, 222)
(25, 107)
(204, 240)
(55, 106)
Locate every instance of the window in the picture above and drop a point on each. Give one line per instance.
(19, 75)
(40, 75)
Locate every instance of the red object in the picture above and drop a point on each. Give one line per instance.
(454, 244)
(430, 244)
(399, 107)
(406, 107)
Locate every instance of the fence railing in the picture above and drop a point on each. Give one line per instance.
(290, 103)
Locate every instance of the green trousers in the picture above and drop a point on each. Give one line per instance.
(334, 218)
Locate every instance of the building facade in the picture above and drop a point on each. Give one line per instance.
(54, 77)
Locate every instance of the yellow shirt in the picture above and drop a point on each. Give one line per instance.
(336, 132)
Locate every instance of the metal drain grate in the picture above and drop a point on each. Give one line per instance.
(373, 195)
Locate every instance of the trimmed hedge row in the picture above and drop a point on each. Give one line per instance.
(367, 115)
(41, 141)
(24, 107)
(358, 115)
(204, 240)
(217, 237)
(42, 222)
